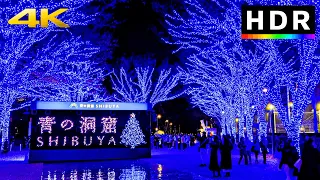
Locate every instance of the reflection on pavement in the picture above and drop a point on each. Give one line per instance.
(131, 173)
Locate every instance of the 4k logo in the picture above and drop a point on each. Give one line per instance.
(45, 17)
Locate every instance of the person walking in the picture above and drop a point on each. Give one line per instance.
(288, 158)
(226, 160)
(165, 140)
(192, 139)
(174, 141)
(243, 149)
(208, 145)
(214, 159)
(203, 141)
(160, 141)
(249, 146)
(256, 149)
(264, 149)
(183, 142)
(179, 142)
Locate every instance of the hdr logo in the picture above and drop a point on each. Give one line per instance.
(278, 22)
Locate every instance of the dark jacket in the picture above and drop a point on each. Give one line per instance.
(289, 156)
(310, 162)
(242, 146)
(226, 160)
(214, 161)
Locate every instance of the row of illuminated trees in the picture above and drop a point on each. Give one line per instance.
(231, 78)
(52, 64)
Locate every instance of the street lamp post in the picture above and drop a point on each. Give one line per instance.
(237, 125)
(262, 119)
(316, 108)
(271, 107)
(166, 125)
(158, 117)
(288, 104)
(273, 133)
(317, 120)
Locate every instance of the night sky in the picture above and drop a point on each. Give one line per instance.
(137, 28)
(139, 34)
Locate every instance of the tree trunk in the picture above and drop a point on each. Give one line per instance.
(233, 127)
(293, 129)
(223, 129)
(228, 129)
(5, 118)
(249, 125)
(241, 127)
(293, 132)
(262, 124)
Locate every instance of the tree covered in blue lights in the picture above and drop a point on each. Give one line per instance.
(298, 88)
(144, 85)
(213, 103)
(138, 79)
(221, 61)
(26, 62)
(231, 83)
(300, 84)
(76, 77)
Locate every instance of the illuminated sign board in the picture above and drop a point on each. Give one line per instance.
(42, 105)
(91, 129)
(68, 131)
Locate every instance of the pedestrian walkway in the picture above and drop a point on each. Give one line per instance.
(189, 160)
(165, 164)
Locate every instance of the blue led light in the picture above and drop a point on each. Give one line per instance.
(143, 89)
(223, 67)
(27, 55)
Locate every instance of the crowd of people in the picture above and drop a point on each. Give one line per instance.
(256, 147)
(304, 167)
(173, 141)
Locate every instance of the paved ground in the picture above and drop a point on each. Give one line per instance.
(165, 165)
(189, 161)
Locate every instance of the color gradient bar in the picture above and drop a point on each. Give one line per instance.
(278, 36)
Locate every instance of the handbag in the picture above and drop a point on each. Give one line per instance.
(298, 164)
